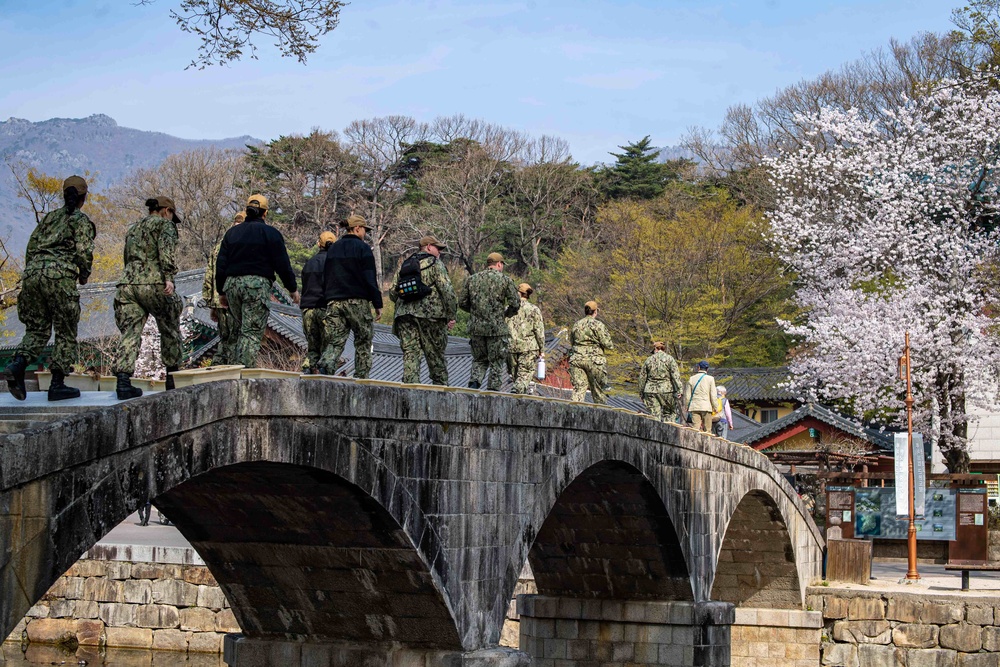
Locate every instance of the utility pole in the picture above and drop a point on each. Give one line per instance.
(911, 533)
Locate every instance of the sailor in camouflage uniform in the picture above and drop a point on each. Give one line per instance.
(250, 255)
(313, 302)
(660, 384)
(527, 340)
(422, 325)
(587, 364)
(351, 292)
(489, 296)
(147, 288)
(60, 253)
(226, 352)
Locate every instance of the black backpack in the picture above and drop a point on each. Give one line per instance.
(409, 285)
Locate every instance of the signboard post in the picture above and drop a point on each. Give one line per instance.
(911, 537)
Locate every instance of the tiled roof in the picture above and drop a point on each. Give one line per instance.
(754, 384)
(882, 440)
(97, 314)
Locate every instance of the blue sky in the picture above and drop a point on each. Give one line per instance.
(598, 74)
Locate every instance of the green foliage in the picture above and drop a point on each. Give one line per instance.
(637, 173)
(691, 268)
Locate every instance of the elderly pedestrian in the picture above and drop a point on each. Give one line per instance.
(527, 340)
(312, 303)
(489, 297)
(226, 351)
(425, 311)
(251, 253)
(660, 384)
(60, 254)
(351, 292)
(588, 365)
(700, 396)
(724, 424)
(147, 288)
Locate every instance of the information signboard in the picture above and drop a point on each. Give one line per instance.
(876, 515)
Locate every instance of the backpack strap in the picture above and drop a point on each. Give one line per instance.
(694, 389)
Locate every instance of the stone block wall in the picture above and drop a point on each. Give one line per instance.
(613, 633)
(888, 629)
(776, 638)
(125, 604)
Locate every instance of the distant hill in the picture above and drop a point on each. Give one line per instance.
(64, 146)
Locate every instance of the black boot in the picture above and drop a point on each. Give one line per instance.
(125, 390)
(58, 391)
(15, 377)
(170, 378)
(473, 384)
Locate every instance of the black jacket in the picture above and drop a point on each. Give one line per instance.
(312, 281)
(253, 248)
(350, 272)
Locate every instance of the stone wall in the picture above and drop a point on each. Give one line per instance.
(175, 606)
(776, 638)
(886, 629)
(613, 633)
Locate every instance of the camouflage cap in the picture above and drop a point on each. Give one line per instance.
(591, 304)
(161, 201)
(76, 182)
(430, 240)
(354, 221)
(239, 217)
(326, 238)
(525, 289)
(494, 258)
(258, 201)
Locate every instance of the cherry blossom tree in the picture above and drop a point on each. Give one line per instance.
(888, 222)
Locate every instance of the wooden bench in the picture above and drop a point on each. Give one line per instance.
(965, 569)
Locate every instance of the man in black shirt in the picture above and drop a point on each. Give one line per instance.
(313, 303)
(351, 292)
(250, 255)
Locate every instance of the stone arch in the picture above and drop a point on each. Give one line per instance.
(756, 561)
(609, 535)
(301, 552)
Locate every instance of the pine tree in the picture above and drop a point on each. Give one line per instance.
(637, 172)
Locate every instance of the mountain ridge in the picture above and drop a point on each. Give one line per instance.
(98, 144)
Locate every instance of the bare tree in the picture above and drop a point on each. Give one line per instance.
(378, 145)
(543, 190)
(207, 185)
(227, 27)
(877, 82)
(464, 192)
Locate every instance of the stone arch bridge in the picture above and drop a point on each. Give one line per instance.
(365, 523)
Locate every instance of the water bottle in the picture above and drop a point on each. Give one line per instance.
(540, 369)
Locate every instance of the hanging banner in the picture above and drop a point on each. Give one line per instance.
(903, 475)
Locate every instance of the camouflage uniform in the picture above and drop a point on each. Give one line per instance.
(587, 363)
(150, 245)
(226, 352)
(60, 252)
(422, 326)
(248, 297)
(314, 331)
(489, 296)
(527, 340)
(659, 386)
(341, 318)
